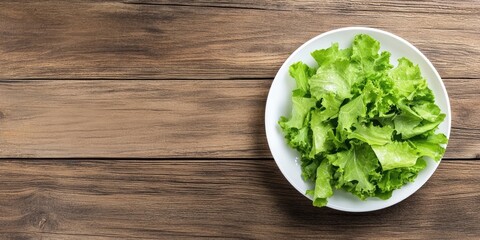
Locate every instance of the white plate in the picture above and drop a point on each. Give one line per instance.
(279, 104)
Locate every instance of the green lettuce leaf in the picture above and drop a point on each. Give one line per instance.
(301, 107)
(409, 127)
(309, 169)
(428, 111)
(350, 113)
(360, 124)
(320, 130)
(329, 56)
(395, 155)
(330, 107)
(431, 146)
(405, 122)
(301, 72)
(396, 178)
(365, 54)
(300, 139)
(355, 167)
(373, 135)
(323, 189)
(407, 78)
(329, 81)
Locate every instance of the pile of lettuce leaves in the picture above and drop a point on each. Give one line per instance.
(361, 124)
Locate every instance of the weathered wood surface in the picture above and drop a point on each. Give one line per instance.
(209, 65)
(118, 40)
(173, 119)
(215, 199)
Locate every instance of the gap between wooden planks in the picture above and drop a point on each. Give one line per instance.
(223, 198)
(168, 119)
(214, 40)
(397, 6)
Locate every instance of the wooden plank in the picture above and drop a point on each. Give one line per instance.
(54, 236)
(464, 99)
(133, 118)
(216, 199)
(167, 119)
(435, 6)
(118, 40)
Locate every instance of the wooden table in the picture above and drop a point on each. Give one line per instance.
(144, 119)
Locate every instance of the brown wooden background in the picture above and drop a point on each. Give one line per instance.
(144, 119)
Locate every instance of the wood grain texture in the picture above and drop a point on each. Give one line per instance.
(167, 119)
(133, 118)
(201, 116)
(214, 40)
(221, 199)
(436, 6)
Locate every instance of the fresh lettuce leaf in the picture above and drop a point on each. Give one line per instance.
(373, 135)
(329, 81)
(329, 56)
(395, 155)
(365, 54)
(323, 189)
(355, 167)
(301, 108)
(416, 128)
(396, 178)
(301, 139)
(320, 132)
(309, 169)
(350, 113)
(407, 78)
(431, 146)
(330, 106)
(301, 72)
(428, 111)
(361, 124)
